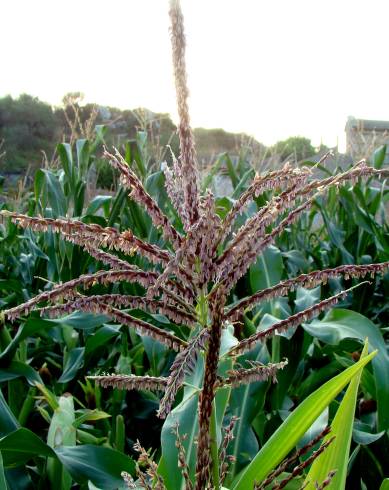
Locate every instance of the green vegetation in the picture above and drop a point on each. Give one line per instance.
(241, 339)
(296, 148)
(45, 358)
(27, 127)
(30, 130)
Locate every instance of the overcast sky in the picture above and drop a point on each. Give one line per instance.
(270, 68)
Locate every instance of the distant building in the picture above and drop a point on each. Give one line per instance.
(363, 136)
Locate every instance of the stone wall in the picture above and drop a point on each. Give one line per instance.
(364, 136)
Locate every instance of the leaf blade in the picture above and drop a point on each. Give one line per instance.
(298, 422)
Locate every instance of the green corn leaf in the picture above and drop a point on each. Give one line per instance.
(3, 483)
(295, 426)
(101, 465)
(267, 271)
(65, 154)
(56, 196)
(87, 414)
(117, 205)
(39, 181)
(83, 158)
(242, 184)
(339, 324)
(155, 186)
(336, 456)
(61, 430)
(61, 433)
(20, 446)
(73, 362)
(30, 328)
(18, 479)
(80, 320)
(231, 170)
(8, 421)
(19, 369)
(245, 402)
(79, 198)
(85, 437)
(385, 484)
(379, 157)
(185, 414)
(97, 203)
(134, 154)
(49, 396)
(207, 180)
(101, 338)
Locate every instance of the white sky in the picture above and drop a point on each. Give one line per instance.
(270, 68)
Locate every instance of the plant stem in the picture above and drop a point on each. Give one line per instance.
(207, 395)
(214, 449)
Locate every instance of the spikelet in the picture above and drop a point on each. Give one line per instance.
(228, 437)
(128, 480)
(94, 234)
(236, 264)
(142, 197)
(187, 159)
(69, 289)
(261, 183)
(92, 303)
(190, 271)
(304, 280)
(325, 483)
(144, 459)
(195, 249)
(184, 363)
(292, 459)
(208, 231)
(106, 258)
(300, 468)
(249, 243)
(174, 186)
(257, 372)
(292, 321)
(182, 463)
(267, 214)
(130, 382)
(141, 326)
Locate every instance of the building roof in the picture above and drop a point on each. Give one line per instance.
(366, 124)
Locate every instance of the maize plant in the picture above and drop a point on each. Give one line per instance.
(190, 279)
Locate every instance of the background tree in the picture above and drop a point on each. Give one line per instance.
(27, 126)
(296, 148)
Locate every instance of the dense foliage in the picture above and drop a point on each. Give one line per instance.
(59, 353)
(59, 429)
(30, 130)
(27, 127)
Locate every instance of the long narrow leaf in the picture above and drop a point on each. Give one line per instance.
(294, 427)
(385, 484)
(3, 483)
(341, 324)
(337, 455)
